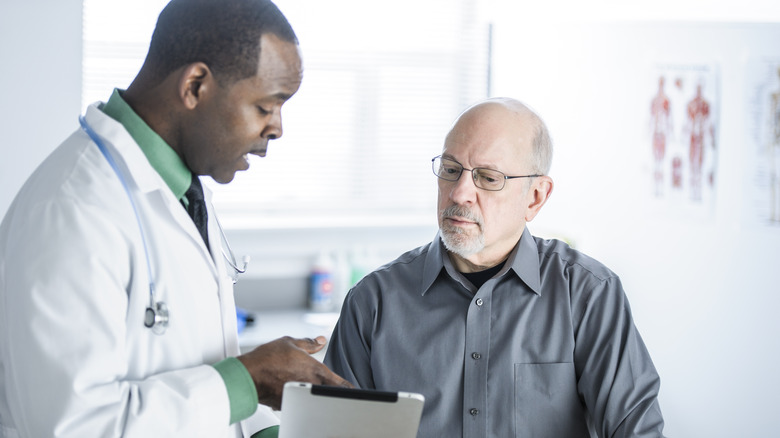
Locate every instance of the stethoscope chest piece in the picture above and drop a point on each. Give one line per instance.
(157, 318)
(156, 314)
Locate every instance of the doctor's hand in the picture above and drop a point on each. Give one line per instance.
(284, 360)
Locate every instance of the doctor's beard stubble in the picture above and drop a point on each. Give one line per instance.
(457, 239)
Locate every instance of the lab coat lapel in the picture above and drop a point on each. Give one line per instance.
(180, 216)
(128, 155)
(139, 173)
(226, 298)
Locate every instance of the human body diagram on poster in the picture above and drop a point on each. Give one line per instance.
(762, 170)
(683, 133)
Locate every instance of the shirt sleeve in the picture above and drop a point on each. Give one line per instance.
(68, 351)
(349, 348)
(271, 432)
(616, 377)
(240, 388)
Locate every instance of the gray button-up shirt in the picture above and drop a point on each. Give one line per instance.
(545, 348)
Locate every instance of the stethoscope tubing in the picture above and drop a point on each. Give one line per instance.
(156, 316)
(154, 305)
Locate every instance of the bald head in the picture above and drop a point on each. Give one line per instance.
(479, 224)
(513, 120)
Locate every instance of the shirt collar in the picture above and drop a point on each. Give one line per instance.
(434, 263)
(523, 261)
(160, 155)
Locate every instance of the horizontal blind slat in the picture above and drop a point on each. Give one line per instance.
(381, 88)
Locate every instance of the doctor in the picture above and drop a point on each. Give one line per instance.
(116, 310)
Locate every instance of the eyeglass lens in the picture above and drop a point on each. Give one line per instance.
(450, 170)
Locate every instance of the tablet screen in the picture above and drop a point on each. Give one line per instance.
(315, 411)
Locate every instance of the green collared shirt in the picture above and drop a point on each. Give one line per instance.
(161, 156)
(240, 386)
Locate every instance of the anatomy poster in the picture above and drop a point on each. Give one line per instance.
(762, 169)
(681, 143)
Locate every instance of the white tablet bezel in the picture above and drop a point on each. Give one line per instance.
(314, 411)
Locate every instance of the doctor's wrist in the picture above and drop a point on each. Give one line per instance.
(240, 388)
(270, 432)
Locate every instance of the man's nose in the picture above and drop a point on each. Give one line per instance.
(273, 129)
(464, 190)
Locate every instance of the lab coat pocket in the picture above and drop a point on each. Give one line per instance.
(546, 401)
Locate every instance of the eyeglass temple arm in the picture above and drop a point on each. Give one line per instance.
(523, 176)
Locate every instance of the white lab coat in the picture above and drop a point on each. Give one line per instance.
(75, 357)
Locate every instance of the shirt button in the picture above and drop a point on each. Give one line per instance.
(479, 302)
(474, 412)
(476, 356)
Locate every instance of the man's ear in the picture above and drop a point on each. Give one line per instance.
(195, 83)
(538, 194)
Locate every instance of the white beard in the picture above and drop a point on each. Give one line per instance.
(456, 239)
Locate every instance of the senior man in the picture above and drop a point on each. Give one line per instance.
(506, 334)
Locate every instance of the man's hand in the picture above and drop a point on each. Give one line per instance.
(284, 360)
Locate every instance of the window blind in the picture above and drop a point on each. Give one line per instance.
(383, 82)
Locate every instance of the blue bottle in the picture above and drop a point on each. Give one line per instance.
(321, 284)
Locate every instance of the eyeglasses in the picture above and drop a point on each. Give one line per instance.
(485, 179)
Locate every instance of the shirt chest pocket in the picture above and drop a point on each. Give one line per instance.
(546, 401)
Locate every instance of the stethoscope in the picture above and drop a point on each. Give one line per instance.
(156, 315)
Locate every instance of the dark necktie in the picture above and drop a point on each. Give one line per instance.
(197, 208)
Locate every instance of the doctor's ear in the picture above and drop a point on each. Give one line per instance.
(195, 82)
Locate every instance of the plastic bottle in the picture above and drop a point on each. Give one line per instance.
(321, 284)
(362, 262)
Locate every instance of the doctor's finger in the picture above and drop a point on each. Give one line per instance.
(309, 345)
(330, 378)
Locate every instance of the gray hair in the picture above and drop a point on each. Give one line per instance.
(542, 147)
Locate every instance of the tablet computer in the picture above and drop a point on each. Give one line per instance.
(315, 411)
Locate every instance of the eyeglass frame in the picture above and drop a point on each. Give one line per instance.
(474, 173)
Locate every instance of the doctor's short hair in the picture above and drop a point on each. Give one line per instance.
(223, 34)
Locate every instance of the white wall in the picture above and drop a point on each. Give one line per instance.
(702, 282)
(40, 52)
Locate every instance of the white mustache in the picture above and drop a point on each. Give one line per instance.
(457, 210)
